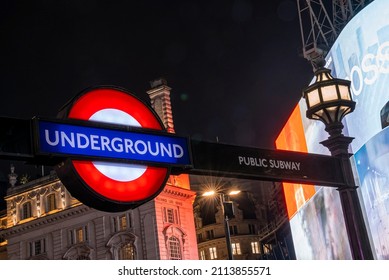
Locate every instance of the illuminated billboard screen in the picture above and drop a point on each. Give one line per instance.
(315, 213)
(360, 54)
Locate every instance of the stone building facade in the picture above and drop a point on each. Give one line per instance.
(259, 228)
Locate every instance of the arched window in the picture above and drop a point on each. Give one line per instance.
(122, 246)
(51, 202)
(79, 252)
(127, 252)
(26, 211)
(174, 248)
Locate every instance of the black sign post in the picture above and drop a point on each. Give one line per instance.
(218, 159)
(15, 139)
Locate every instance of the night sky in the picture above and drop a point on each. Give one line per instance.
(234, 66)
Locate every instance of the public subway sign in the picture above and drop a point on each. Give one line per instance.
(269, 163)
(111, 143)
(273, 165)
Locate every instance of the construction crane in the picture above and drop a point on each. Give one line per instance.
(321, 23)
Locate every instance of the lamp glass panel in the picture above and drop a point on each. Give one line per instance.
(319, 77)
(315, 116)
(313, 97)
(322, 116)
(344, 110)
(325, 77)
(344, 92)
(329, 93)
(333, 113)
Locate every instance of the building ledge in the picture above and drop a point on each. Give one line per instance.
(48, 219)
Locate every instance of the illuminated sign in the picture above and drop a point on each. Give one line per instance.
(372, 65)
(111, 186)
(359, 54)
(71, 140)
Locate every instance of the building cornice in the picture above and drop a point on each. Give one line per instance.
(33, 185)
(45, 220)
(178, 192)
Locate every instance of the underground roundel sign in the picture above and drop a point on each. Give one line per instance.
(105, 185)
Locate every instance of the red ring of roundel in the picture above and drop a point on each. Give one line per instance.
(139, 189)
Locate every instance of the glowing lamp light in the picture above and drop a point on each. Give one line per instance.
(328, 99)
(212, 193)
(209, 193)
(234, 192)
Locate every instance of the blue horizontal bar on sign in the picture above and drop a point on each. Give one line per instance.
(69, 140)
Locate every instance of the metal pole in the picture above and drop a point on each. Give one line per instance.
(228, 238)
(226, 229)
(352, 211)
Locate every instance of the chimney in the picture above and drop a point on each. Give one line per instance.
(160, 101)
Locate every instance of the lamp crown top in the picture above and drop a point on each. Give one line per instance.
(318, 63)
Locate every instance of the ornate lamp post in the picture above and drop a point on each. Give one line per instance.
(329, 100)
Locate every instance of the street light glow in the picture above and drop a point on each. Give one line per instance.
(220, 195)
(209, 193)
(234, 192)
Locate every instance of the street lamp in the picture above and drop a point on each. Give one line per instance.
(329, 100)
(227, 210)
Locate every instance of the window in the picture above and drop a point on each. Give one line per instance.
(236, 249)
(127, 252)
(51, 202)
(233, 230)
(79, 235)
(3, 223)
(121, 223)
(199, 237)
(78, 252)
(175, 248)
(170, 215)
(251, 229)
(37, 247)
(213, 253)
(255, 247)
(267, 248)
(26, 211)
(202, 255)
(210, 234)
